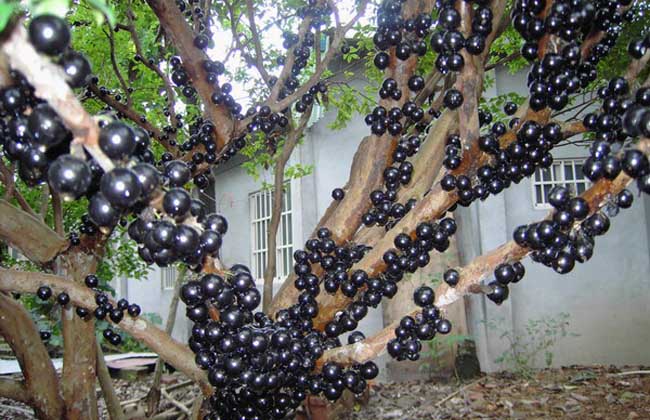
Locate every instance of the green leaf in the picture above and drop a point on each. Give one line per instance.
(49, 7)
(102, 11)
(6, 11)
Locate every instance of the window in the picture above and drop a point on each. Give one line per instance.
(565, 172)
(260, 213)
(168, 277)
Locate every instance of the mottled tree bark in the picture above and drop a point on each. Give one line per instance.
(41, 384)
(175, 25)
(29, 235)
(472, 275)
(79, 373)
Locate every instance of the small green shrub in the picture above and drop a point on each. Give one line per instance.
(537, 340)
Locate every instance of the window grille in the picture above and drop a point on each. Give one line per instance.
(168, 277)
(565, 172)
(261, 203)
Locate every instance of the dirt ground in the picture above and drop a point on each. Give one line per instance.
(579, 392)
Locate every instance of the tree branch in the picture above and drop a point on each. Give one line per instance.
(334, 48)
(259, 58)
(278, 190)
(78, 377)
(116, 69)
(132, 115)
(426, 169)
(45, 202)
(153, 396)
(473, 274)
(8, 179)
(29, 235)
(113, 406)
(171, 95)
(173, 352)
(469, 82)
(15, 390)
(41, 382)
(373, 155)
(49, 83)
(57, 210)
(182, 37)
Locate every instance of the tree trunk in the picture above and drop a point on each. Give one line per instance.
(153, 396)
(112, 402)
(79, 349)
(276, 214)
(272, 236)
(41, 383)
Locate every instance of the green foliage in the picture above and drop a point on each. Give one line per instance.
(121, 259)
(495, 104)
(298, 171)
(439, 347)
(48, 7)
(7, 10)
(506, 45)
(148, 96)
(348, 102)
(258, 155)
(102, 10)
(537, 339)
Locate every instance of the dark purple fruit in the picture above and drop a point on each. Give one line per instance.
(49, 34)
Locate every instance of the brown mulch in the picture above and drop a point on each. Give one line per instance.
(579, 392)
(584, 393)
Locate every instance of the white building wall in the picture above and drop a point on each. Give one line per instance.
(608, 298)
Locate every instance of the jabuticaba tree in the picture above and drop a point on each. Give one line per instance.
(93, 135)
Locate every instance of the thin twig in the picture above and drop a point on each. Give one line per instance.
(19, 409)
(45, 202)
(112, 402)
(458, 391)
(259, 59)
(196, 408)
(153, 396)
(12, 191)
(57, 207)
(175, 402)
(630, 373)
(116, 69)
(171, 95)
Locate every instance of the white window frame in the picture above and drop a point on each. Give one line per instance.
(168, 277)
(15, 254)
(538, 181)
(317, 112)
(260, 209)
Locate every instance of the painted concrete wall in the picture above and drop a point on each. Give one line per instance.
(152, 298)
(608, 299)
